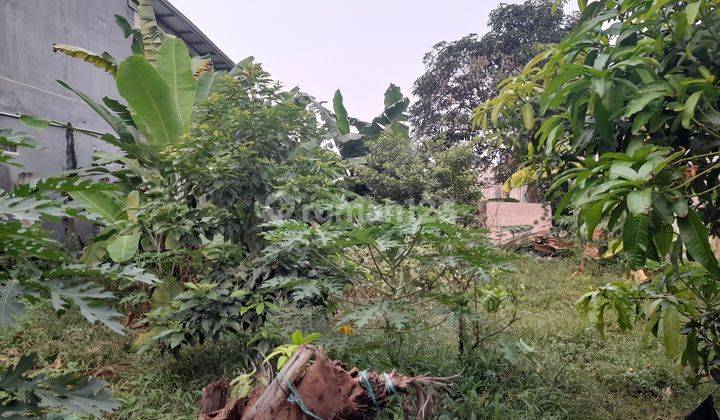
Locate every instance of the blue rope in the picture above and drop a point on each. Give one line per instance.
(365, 382)
(295, 398)
(389, 386)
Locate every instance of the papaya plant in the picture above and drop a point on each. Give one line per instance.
(35, 268)
(393, 268)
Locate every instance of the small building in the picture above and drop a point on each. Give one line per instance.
(29, 69)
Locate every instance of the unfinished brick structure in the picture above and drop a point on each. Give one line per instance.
(509, 216)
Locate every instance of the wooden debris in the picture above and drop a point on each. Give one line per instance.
(550, 246)
(324, 388)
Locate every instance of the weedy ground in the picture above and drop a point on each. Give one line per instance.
(574, 373)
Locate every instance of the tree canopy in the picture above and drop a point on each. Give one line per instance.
(464, 73)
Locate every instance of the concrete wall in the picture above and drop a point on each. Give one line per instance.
(29, 69)
(502, 218)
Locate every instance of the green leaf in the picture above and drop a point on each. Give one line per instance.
(695, 236)
(132, 203)
(671, 330)
(94, 252)
(688, 111)
(691, 11)
(635, 240)
(175, 66)
(691, 352)
(103, 61)
(120, 110)
(38, 123)
(640, 202)
(605, 128)
(593, 216)
(123, 247)
(341, 114)
(598, 85)
(88, 298)
(662, 208)
(137, 40)
(205, 85)
(97, 202)
(528, 115)
(115, 122)
(663, 238)
(88, 396)
(260, 308)
(10, 307)
(620, 171)
(165, 291)
(297, 337)
(680, 208)
(640, 101)
(152, 103)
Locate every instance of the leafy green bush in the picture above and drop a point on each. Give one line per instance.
(624, 113)
(408, 172)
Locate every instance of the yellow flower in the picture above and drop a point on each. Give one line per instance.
(346, 329)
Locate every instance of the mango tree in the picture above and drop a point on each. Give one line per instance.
(623, 115)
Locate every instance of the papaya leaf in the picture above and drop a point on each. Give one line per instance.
(11, 308)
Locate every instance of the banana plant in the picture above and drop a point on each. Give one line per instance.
(350, 134)
(159, 82)
(161, 85)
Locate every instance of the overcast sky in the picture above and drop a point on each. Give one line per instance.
(357, 46)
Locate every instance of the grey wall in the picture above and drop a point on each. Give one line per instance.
(29, 69)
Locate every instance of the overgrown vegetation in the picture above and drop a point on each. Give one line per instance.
(624, 115)
(237, 221)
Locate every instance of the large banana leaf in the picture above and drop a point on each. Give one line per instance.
(152, 35)
(117, 124)
(175, 66)
(102, 61)
(393, 116)
(341, 114)
(206, 83)
(152, 103)
(97, 202)
(123, 247)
